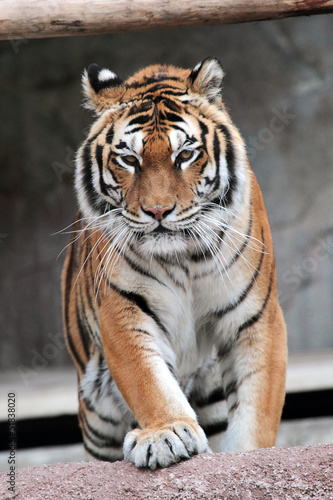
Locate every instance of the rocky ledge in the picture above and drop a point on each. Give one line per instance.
(276, 473)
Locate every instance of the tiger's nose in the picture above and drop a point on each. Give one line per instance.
(157, 212)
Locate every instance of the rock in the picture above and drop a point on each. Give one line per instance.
(275, 473)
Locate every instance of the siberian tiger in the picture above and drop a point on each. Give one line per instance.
(169, 286)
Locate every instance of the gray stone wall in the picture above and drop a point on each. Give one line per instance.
(278, 88)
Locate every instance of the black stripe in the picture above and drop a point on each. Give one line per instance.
(231, 388)
(84, 319)
(99, 158)
(136, 267)
(172, 105)
(207, 253)
(203, 166)
(203, 255)
(121, 145)
(99, 456)
(177, 127)
(133, 131)
(140, 302)
(198, 257)
(171, 370)
(186, 209)
(91, 194)
(97, 296)
(150, 87)
(88, 287)
(204, 132)
(68, 288)
(140, 120)
(233, 407)
(141, 332)
(215, 396)
(175, 93)
(99, 377)
(110, 134)
(225, 349)
(108, 419)
(93, 433)
(166, 91)
(83, 332)
(217, 152)
(258, 315)
(81, 316)
(115, 188)
(244, 245)
(173, 261)
(221, 312)
(172, 277)
(141, 108)
(230, 157)
(151, 80)
(212, 429)
(172, 117)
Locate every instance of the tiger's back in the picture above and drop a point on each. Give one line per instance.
(170, 302)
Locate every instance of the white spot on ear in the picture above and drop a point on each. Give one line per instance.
(197, 67)
(106, 74)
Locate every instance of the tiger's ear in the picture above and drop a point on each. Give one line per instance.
(101, 87)
(206, 79)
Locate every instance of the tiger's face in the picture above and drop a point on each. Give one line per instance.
(162, 152)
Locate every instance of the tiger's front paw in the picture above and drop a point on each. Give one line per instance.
(164, 446)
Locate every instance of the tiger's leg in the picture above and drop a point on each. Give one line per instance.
(254, 384)
(169, 429)
(207, 398)
(103, 439)
(104, 417)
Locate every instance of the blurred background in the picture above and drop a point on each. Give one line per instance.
(278, 89)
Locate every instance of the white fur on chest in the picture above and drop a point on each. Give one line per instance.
(170, 297)
(183, 303)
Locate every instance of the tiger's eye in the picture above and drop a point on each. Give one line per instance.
(186, 154)
(130, 159)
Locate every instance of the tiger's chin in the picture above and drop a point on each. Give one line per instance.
(162, 244)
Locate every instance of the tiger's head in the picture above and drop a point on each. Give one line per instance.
(162, 152)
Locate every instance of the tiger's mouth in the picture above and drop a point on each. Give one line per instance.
(161, 241)
(162, 230)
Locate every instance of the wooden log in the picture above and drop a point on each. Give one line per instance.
(22, 19)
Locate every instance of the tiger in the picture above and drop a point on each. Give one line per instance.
(169, 285)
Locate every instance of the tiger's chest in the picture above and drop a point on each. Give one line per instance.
(186, 299)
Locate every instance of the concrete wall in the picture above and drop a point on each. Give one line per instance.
(278, 88)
